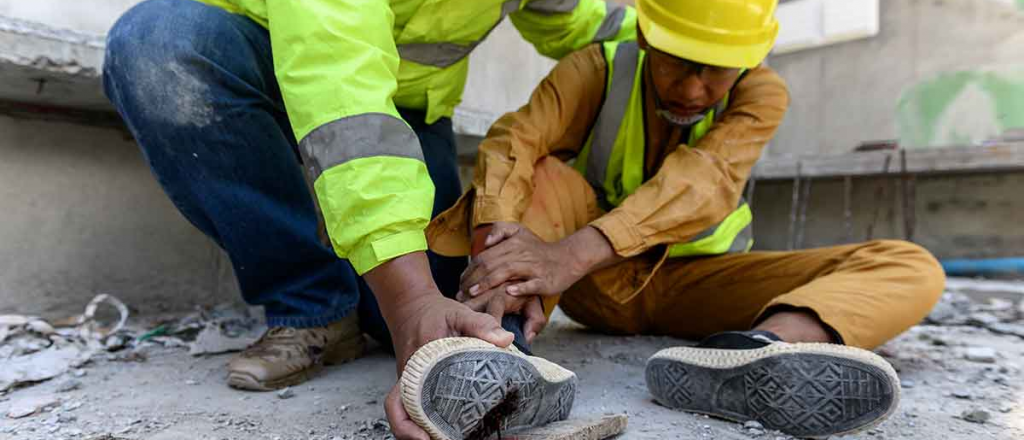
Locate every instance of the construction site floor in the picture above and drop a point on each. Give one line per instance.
(163, 393)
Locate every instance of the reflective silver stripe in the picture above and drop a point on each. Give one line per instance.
(435, 54)
(445, 54)
(710, 231)
(742, 240)
(613, 17)
(355, 137)
(609, 120)
(552, 6)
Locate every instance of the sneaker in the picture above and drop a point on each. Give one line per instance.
(804, 390)
(466, 389)
(286, 356)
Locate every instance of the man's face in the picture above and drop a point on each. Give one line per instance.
(686, 88)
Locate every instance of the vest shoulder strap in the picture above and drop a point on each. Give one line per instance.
(622, 66)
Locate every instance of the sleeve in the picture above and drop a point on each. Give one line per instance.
(698, 187)
(555, 121)
(336, 63)
(559, 27)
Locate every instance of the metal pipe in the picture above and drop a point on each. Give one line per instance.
(990, 266)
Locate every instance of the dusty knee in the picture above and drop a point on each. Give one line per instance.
(153, 70)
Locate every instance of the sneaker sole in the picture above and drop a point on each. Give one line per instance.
(467, 389)
(341, 353)
(804, 390)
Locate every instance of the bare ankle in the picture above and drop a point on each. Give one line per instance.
(797, 326)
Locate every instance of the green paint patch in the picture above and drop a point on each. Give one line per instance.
(964, 107)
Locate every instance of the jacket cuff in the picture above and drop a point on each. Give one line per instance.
(622, 232)
(368, 256)
(490, 209)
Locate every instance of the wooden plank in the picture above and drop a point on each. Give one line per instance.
(997, 157)
(577, 429)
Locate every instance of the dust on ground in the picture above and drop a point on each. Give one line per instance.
(961, 379)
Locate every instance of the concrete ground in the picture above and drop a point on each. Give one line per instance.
(165, 394)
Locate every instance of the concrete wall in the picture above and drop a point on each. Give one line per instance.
(82, 215)
(964, 216)
(845, 94)
(93, 16)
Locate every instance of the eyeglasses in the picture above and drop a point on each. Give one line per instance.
(675, 67)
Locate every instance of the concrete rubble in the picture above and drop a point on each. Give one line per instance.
(961, 374)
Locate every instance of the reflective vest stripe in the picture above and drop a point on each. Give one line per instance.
(613, 158)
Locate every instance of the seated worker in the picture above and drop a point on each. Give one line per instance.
(647, 233)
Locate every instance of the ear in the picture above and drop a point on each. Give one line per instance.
(640, 40)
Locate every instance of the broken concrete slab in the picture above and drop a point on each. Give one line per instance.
(579, 429)
(213, 340)
(41, 365)
(30, 405)
(43, 65)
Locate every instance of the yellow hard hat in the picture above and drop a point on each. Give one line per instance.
(728, 33)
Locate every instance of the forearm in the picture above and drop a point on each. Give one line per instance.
(590, 251)
(399, 283)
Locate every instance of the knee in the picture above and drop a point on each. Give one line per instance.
(917, 265)
(141, 39)
(150, 72)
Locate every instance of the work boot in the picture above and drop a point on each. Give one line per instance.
(466, 389)
(804, 389)
(286, 356)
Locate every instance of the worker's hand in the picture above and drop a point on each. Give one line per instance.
(421, 321)
(417, 313)
(515, 256)
(497, 303)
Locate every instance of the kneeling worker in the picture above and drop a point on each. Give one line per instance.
(647, 232)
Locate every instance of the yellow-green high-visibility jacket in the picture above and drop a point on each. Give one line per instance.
(344, 65)
(613, 158)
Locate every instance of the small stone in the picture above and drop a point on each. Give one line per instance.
(78, 372)
(191, 382)
(976, 416)
(1005, 409)
(907, 383)
(962, 395)
(69, 385)
(753, 424)
(286, 393)
(985, 355)
(982, 319)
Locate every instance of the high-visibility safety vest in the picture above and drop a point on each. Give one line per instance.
(344, 67)
(613, 158)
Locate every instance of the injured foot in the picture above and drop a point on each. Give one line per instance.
(465, 388)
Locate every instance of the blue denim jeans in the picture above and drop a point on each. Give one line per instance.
(196, 87)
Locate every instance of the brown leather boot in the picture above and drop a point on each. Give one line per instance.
(287, 356)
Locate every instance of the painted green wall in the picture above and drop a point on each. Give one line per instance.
(961, 108)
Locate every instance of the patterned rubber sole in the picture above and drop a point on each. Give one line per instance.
(476, 393)
(815, 393)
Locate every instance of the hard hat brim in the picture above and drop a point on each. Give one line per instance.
(705, 52)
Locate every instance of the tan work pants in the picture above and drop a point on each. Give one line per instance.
(868, 292)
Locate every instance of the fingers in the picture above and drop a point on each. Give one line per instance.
(486, 265)
(500, 232)
(466, 322)
(401, 425)
(527, 288)
(496, 306)
(533, 311)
